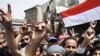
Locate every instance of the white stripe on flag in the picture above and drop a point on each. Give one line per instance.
(82, 13)
(87, 16)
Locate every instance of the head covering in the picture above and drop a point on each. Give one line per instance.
(56, 49)
(52, 39)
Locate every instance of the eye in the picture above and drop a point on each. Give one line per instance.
(26, 39)
(22, 40)
(68, 46)
(57, 55)
(51, 55)
(0, 43)
(73, 47)
(4, 41)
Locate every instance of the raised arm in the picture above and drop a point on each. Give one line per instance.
(88, 36)
(74, 34)
(6, 20)
(22, 31)
(39, 33)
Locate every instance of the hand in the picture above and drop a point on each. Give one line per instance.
(5, 18)
(23, 29)
(93, 24)
(75, 35)
(89, 34)
(40, 29)
(66, 34)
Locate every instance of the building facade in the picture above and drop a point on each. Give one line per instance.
(31, 13)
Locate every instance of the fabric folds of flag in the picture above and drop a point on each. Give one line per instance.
(82, 13)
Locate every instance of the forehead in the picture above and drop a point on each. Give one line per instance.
(56, 54)
(26, 36)
(97, 51)
(70, 42)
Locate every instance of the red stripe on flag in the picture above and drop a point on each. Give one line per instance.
(89, 4)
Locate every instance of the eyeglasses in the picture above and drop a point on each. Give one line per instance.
(2, 42)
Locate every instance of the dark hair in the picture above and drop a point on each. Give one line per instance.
(96, 42)
(64, 42)
(96, 47)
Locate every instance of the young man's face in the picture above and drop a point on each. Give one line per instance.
(26, 39)
(96, 53)
(70, 47)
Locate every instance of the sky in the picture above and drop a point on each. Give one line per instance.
(18, 6)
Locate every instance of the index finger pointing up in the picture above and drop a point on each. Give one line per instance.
(9, 9)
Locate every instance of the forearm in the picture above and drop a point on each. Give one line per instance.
(18, 38)
(11, 42)
(39, 32)
(84, 43)
(82, 47)
(6, 21)
(58, 32)
(32, 47)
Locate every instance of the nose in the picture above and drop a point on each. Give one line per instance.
(70, 49)
(98, 55)
(40, 27)
(4, 44)
(25, 41)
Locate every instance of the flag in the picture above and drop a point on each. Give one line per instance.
(82, 13)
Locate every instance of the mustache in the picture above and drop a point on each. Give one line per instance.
(24, 44)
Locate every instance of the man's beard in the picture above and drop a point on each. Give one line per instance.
(4, 50)
(71, 54)
(23, 45)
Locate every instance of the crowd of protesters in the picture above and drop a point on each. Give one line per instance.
(40, 40)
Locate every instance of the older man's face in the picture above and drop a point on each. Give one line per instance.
(70, 47)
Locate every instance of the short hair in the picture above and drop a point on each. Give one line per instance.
(64, 42)
(96, 47)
